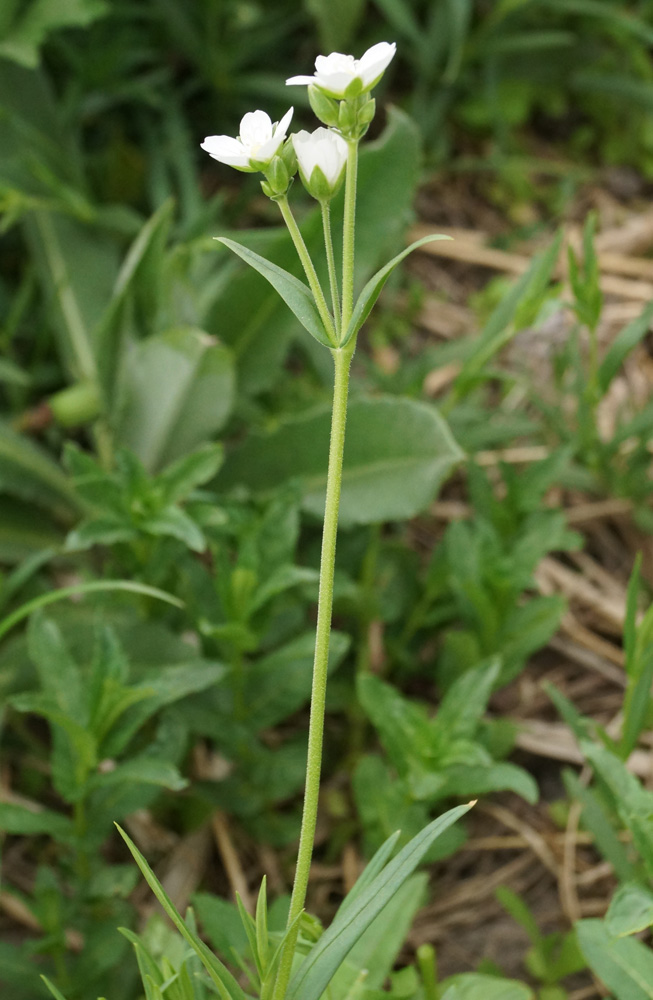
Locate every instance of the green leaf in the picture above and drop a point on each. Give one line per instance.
(463, 779)
(624, 965)
(175, 523)
(141, 770)
(53, 989)
(473, 986)
(29, 473)
(622, 345)
(297, 296)
(596, 819)
(19, 820)
(76, 265)
(188, 472)
(377, 949)
(465, 701)
(634, 803)
(397, 453)
(501, 326)
(322, 962)
(630, 910)
(225, 983)
(176, 392)
(7, 623)
(374, 286)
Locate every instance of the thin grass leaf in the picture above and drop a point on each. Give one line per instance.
(370, 872)
(262, 941)
(321, 964)
(628, 338)
(250, 930)
(225, 983)
(76, 589)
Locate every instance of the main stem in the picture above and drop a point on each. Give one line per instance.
(342, 361)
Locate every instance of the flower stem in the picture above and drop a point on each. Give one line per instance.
(348, 234)
(309, 269)
(342, 359)
(333, 280)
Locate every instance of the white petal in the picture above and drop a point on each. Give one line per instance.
(255, 128)
(337, 62)
(227, 150)
(285, 122)
(300, 80)
(335, 83)
(375, 60)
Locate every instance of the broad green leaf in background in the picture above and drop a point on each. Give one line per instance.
(177, 390)
(630, 910)
(624, 965)
(397, 453)
(322, 962)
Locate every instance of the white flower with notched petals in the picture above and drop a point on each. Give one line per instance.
(342, 76)
(259, 141)
(321, 157)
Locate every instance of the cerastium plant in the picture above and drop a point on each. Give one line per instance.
(299, 964)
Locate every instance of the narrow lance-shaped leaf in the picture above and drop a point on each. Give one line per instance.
(372, 289)
(623, 344)
(318, 969)
(51, 596)
(294, 292)
(227, 986)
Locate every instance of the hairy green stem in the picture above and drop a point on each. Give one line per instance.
(348, 233)
(309, 269)
(331, 263)
(342, 359)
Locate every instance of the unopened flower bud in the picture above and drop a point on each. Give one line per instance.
(321, 157)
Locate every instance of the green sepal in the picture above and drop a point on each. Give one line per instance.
(325, 108)
(372, 289)
(277, 176)
(294, 292)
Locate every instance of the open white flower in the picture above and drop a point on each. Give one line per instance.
(259, 141)
(321, 157)
(342, 76)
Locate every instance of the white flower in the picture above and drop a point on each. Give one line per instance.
(258, 142)
(324, 151)
(343, 76)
